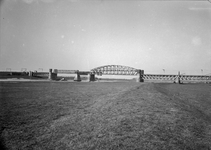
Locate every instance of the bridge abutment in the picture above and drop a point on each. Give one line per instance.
(140, 76)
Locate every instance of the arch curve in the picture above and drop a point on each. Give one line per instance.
(115, 70)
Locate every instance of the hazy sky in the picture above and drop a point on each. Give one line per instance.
(84, 34)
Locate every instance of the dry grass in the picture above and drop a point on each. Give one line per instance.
(127, 115)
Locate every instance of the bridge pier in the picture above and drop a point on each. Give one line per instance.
(178, 78)
(30, 73)
(140, 76)
(77, 77)
(91, 77)
(52, 75)
(55, 71)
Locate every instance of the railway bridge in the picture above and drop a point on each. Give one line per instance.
(105, 70)
(125, 70)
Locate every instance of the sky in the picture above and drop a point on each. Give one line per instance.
(155, 36)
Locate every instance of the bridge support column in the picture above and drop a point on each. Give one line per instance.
(55, 71)
(178, 78)
(140, 76)
(30, 73)
(91, 77)
(54, 76)
(77, 77)
(50, 74)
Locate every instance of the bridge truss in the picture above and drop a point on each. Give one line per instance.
(115, 70)
(175, 77)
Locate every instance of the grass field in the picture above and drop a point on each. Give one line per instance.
(114, 115)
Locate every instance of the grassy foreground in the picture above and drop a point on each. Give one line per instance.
(124, 116)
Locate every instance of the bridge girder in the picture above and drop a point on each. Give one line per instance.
(115, 70)
(174, 77)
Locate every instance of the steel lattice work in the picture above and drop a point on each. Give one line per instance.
(175, 77)
(66, 71)
(159, 77)
(115, 70)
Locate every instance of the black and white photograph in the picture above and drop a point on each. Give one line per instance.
(105, 74)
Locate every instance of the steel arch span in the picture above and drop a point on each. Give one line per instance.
(115, 70)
